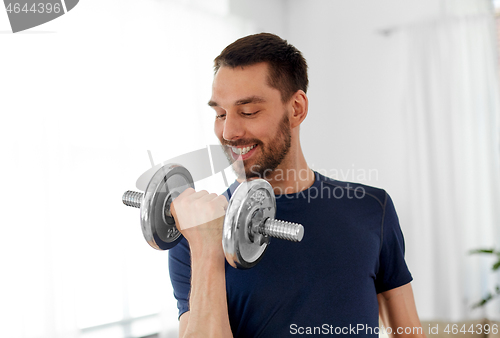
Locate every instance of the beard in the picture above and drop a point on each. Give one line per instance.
(270, 157)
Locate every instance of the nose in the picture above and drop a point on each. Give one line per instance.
(233, 128)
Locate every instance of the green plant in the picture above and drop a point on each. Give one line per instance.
(495, 267)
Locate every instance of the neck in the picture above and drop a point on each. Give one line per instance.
(292, 175)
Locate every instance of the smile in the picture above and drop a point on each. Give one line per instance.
(242, 151)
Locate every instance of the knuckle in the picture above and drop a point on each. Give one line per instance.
(182, 196)
(222, 199)
(189, 191)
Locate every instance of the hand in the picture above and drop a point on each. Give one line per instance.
(199, 216)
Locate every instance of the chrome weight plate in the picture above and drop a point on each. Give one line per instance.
(158, 225)
(251, 204)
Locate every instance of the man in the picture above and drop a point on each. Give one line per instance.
(348, 269)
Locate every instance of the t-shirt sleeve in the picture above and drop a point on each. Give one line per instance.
(179, 266)
(393, 271)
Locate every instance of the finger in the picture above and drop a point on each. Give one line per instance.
(198, 195)
(222, 201)
(208, 197)
(185, 194)
(180, 199)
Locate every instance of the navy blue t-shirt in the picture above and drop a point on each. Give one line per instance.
(352, 249)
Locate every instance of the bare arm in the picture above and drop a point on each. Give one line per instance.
(183, 322)
(200, 216)
(397, 311)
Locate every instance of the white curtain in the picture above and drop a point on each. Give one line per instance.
(451, 111)
(82, 99)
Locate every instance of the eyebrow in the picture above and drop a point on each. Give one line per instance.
(247, 100)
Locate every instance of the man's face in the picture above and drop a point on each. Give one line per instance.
(251, 121)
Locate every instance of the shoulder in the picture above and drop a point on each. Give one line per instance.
(361, 191)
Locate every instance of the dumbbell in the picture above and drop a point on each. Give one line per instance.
(248, 224)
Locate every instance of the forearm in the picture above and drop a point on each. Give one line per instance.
(208, 315)
(200, 216)
(397, 310)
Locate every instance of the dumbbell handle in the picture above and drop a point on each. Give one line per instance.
(271, 227)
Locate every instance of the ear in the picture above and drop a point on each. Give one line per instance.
(299, 104)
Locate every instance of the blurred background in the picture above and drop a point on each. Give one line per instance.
(404, 95)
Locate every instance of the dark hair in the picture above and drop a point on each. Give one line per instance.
(287, 66)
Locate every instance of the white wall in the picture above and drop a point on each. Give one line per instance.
(266, 16)
(355, 87)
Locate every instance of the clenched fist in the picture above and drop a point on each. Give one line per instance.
(199, 216)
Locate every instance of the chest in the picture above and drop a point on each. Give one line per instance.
(336, 261)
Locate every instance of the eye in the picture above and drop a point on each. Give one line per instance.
(250, 114)
(220, 117)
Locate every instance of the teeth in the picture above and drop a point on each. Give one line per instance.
(242, 151)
